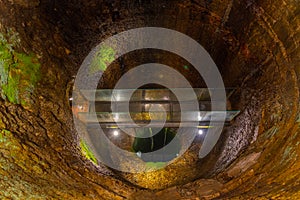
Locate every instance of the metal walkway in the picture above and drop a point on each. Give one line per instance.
(141, 100)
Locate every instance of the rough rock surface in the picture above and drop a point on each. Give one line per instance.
(255, 44)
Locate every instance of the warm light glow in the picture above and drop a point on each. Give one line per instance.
(116, 133)
(200, 132)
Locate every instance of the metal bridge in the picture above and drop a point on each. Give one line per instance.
(140, 103)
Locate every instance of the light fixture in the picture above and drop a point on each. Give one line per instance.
(200, 132)
(116, 133)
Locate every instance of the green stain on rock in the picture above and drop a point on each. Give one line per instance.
(186, 67)
(19, 73)
(155, 165)
(102, 59)
(86, 151)
(3, 135)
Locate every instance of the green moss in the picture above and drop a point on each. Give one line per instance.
(155, 165)
(86, 151)
(102, 59)
(186, 67)
(10, 90)
(19, 73)
(3, 135)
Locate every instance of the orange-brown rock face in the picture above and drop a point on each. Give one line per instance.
(256, 48)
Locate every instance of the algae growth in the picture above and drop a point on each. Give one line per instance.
(86, 151)
(19, 72)
(102, 59)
